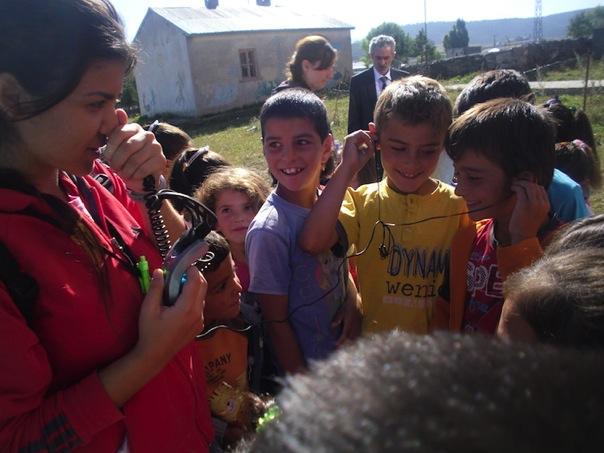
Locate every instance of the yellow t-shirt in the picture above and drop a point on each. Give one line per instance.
(399, 289)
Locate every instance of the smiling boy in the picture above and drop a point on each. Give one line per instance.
(503, 151)
(401, 227)
(300, 295)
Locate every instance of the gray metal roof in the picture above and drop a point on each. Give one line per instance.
(203, 21)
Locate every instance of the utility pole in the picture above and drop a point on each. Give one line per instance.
(538, 23)
(426, 33)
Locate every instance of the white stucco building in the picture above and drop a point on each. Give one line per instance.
(198, 61)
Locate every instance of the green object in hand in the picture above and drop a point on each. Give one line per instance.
(271, 414)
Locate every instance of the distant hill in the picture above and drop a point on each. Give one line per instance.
(486, 32)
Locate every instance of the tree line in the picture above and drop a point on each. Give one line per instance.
(420, 47)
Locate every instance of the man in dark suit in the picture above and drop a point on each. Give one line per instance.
(365, 88)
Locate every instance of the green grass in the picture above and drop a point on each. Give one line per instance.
(575, 70)
(572, 69)
(459, 79)
(236, 135)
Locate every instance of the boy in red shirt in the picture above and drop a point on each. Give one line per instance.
(503, 151)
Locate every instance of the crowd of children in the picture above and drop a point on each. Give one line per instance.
(506, 247)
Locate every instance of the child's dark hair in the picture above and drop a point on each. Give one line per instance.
(498, 83)
(313, 48)
(582, 233)
(572, 124)
(513, 134)
(232, 178)
(173, 140)
(494, 386)
(561, 297)
(218, 251)
(577, 160)
(296, 103)
(192, 168)
(414, 100)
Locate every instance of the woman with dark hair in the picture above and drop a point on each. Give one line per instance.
(92, 361)
(311, 65)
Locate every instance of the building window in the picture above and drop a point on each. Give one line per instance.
(247, 59)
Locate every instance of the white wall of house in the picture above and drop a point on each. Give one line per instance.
(201, 74)
(163, 73)
(216, 68)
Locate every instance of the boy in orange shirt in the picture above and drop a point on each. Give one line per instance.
(503, 151)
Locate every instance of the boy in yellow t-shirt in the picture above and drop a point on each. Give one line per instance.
(402, 255)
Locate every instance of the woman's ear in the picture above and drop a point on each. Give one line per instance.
(11, 95)
(306, 65)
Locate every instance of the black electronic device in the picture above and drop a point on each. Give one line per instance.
(186, 251)
(189, 248)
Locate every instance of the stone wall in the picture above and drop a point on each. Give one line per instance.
(521, 58)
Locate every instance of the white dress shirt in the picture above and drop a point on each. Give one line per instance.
(378, 82)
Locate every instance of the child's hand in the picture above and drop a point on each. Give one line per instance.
(133, 153)
(351, 318)
(163, 331)
(530, 211)
(358, 149)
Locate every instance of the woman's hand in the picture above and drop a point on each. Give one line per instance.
(133, 153)
(163, 331)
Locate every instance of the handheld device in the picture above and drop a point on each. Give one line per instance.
(185, 252)
(189, 248)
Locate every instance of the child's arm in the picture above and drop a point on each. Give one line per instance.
(350, 315)
(319, 232)
(282, 337)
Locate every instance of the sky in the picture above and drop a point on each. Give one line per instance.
(364, 15)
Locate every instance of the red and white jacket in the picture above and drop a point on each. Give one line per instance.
(85, 317)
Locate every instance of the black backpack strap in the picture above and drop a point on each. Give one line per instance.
(22, 287)
(104, 180)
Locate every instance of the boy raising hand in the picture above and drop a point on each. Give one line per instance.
(503, 151)
(402, 257)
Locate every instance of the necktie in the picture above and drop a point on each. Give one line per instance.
(384, 81)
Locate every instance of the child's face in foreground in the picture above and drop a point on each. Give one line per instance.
(224, 291)
(234, 212)
(295, 156)
(482, 184)
(410, 154)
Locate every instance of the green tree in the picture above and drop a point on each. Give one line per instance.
(457, 37)
(129, 98)
(424, 48)
(583, 24)
(404, 43)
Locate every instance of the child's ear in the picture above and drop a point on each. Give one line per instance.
(327, 146)
(374, 135)
(526, 176)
